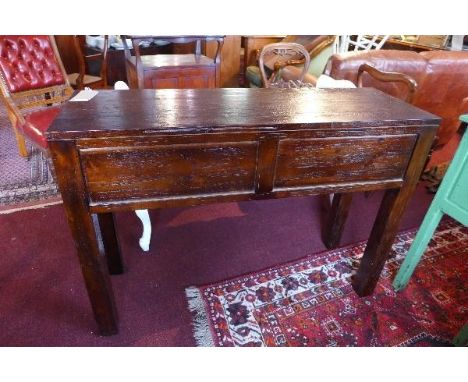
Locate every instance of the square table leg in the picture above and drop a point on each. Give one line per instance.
(388, 218)
(90, 241)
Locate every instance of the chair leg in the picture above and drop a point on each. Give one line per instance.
(462, 337)
(424, 235)
(21, 143)
(143, 215)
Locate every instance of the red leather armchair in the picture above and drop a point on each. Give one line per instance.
(33, 83)
(441, 77)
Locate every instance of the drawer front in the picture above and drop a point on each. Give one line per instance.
(309, 162)
(174, 78)
(169, 171)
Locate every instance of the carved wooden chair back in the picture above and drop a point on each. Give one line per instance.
(278, 55)
(32, 81)
(86, 59)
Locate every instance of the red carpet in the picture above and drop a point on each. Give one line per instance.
(310, 302)
(43, 300)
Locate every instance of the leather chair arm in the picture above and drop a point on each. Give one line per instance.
(463, 106)
(388, 77)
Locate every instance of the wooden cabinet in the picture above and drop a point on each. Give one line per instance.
(173, 71)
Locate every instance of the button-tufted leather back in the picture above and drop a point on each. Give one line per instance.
(29, 62)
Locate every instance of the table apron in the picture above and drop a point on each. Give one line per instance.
(132, 172)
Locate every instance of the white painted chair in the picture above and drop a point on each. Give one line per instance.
(143, 215)
(346, 43)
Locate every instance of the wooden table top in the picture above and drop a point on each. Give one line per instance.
(131, 112)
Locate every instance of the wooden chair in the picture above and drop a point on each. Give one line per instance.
(279, 55)
(319, 49)
(84, 78)
(451, 199)
(172, 71)
(347, 43)
(33, 84)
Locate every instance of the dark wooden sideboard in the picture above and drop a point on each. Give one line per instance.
(139, 149)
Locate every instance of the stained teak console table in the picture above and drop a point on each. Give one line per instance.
(141, 149)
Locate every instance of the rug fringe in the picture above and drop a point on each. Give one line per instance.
(201, 326)
(4, 210)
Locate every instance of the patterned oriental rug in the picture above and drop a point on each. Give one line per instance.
(310, 302)
(23, 181)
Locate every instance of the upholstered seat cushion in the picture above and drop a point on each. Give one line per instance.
(252, 73)
(37, 124)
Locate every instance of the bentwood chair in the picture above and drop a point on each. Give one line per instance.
(33, 85)
(86, 60)
(319, 49)
(279, 55)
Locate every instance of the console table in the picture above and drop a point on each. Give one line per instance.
(142, 149)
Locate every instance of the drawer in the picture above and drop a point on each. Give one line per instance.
(304, 163)
(175, 78)
(169, 171)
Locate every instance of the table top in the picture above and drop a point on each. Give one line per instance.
(133, 112)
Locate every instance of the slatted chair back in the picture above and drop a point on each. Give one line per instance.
(346, 43)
